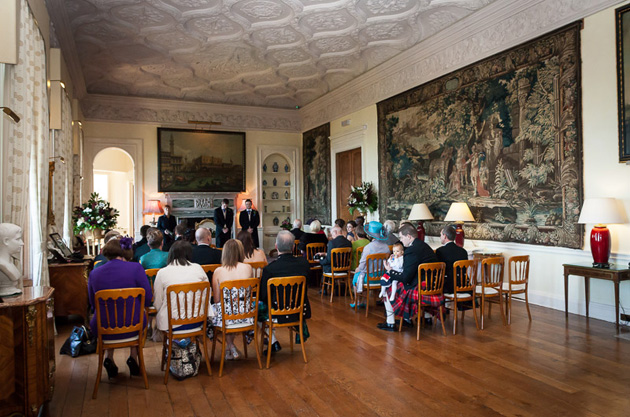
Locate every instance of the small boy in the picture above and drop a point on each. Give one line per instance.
(396, 263)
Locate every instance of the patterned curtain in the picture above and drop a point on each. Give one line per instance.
(26, 147)
(62, 177)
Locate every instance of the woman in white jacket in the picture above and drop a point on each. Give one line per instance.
(180, 270)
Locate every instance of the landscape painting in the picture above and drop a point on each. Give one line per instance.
(316, 158)
(200, 161)
(503, 135)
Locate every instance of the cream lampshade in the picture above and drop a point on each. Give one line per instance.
(459, 213)
(153, 207)
(601, 211)
(420, 212)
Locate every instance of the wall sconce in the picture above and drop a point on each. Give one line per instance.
(459, 213)
(11, 114)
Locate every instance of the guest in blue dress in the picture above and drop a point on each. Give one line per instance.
(118, 273)
(156, 258)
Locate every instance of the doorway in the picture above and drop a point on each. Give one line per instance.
(113, 180)
(348, 173)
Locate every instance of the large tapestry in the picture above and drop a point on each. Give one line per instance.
(503, 135)
(316, 158)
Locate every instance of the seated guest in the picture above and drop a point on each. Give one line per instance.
(360, 242)
(116, 274)
(297, 229)
(141, 247)
(360, 221)
(313, 237)
(449, 254)
(390, 229)
(100, 259)
(342, 224)
(156, 258)
(405, 302)
(350, 231)
(286, 265)
(377, 245)
(180, 229)
(232, 268)
(180, 270)
(338, 241)
(203, 253)
(252, 254)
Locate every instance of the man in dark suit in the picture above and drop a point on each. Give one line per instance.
(223, 219)
(249, 219)
(297, 229)
(180, 230)
(338, 241)
(203, 254)
(141, 247)
(449, 254)
(405, 303)
(166, 223)
(286, 265)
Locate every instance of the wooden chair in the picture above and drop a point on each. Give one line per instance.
(257, 267)
(151, 274)
(210, 267)
(241, 297)
(110, 323)
(432, 275)
(464, 281)
(187, 304)
(491, 288)
(391, 248)
(296, 250)
(339, 270)
(289, 295)
(357, 254)
(375, 270)
(518, 277)
(316, 268)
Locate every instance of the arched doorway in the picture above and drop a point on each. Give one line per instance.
(113, 179)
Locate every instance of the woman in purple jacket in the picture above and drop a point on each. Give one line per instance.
(118, 273)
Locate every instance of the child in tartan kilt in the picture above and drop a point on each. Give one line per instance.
(396, 262)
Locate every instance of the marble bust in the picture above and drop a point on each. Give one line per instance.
(10, 247)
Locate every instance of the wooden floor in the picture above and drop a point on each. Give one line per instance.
(550, 367)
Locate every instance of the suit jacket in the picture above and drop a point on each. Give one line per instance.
(311, 238)
(286, 265)
(205, 255)
(167, 223)
(245, 222)
(449, 254)
(297, 233)
(417, 253)
(220, 221)
(338, 242)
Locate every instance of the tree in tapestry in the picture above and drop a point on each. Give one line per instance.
(316, 158)
(502, 135)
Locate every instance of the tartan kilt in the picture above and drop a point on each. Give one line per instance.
(405, 303)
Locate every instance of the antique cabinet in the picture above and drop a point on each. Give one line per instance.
(70, 283)
(27, 352)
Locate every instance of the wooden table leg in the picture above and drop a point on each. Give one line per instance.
(586, 293)
(617, 304)
(566, 295)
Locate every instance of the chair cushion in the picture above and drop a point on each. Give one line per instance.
(459, 296)
(114, 341)
(515, 287)
(238, 325)
(180, 332)
(336, 274)
(489, 291)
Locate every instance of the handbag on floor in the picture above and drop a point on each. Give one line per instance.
(185, 359)
(78, 343)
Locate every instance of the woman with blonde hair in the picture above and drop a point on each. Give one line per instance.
(315, 236)
(232, 268)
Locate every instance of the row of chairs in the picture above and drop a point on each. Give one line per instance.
(188, 304)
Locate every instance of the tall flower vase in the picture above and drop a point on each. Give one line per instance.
(98, 233)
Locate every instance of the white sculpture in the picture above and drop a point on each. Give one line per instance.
(10, 247)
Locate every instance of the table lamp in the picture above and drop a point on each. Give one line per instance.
(420, 212)
(153, 207)
(459, 213)
(601, 211)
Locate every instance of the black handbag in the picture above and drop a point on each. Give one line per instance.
(78, 343)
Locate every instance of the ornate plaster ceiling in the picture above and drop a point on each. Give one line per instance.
(272, 53)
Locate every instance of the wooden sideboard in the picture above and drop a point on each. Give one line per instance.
(27, 352)
(70, 283)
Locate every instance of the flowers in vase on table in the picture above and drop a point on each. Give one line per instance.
(286, 224)
(363, 198)
(95, 213)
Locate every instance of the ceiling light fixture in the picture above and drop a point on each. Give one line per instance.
(11, 114)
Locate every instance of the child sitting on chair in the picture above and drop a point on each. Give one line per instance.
(396, 262)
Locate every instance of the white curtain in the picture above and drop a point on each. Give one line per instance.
(26, 146)
(62, 177)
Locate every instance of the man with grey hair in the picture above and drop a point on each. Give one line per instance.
(286, 265)
(297, 229)
(337, 241)
(390, 228)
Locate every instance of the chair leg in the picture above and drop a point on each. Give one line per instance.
(508, 307)
(399, 323)
(348, 289)
(99, 372)
(204, 340)
(420, 315)
(367, 301)
(269, 344)
(474, 303)
(455, 315)
(441, 308)
(302, 342)
(164, 348)
(527, 305)
(332, 288)
(214, 342)
(501, 308)
(168, 357)
(256, 346)
(483, 300)
(291, 338)
(143, 369)
(222, 352)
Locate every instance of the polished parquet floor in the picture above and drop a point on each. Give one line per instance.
(549, 367)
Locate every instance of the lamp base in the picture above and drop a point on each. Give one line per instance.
(600, 246)
(459, 234)
(421, 231)
(602, 265)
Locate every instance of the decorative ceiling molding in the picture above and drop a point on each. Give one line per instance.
(142, 110)
(497, 27)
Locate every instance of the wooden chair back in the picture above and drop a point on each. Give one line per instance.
(356, 256)
(375, 265)
(296, 250)
(518, 270)
(432, 274)
(151, 274)
(210, 267)
(241, 301)
(391, 248)
(492, 272)
(289, 294)
(257, 268)
(187, 304)
(108, 319)
(464, 276)
(312, 249)
(340, 261)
